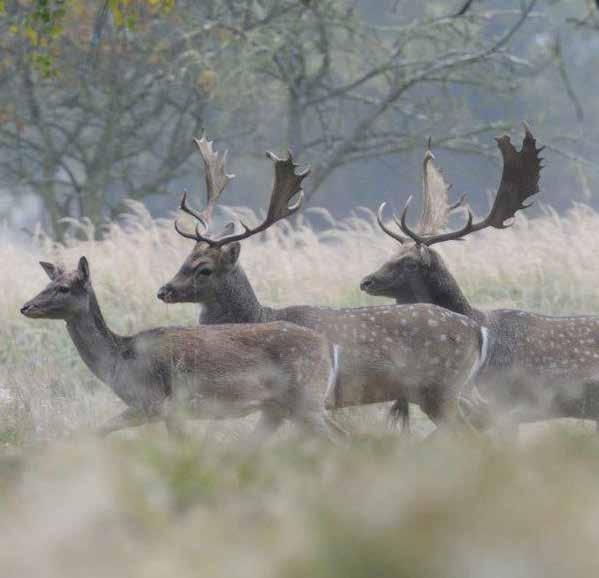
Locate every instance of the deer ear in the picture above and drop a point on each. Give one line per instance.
(83, 269)
(231, 253)
(51, 270)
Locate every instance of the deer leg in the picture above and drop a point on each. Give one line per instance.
(173, 420)
(446, 413)
(333, 424)
(175, 426)
(131, 417)
(268, 423)
(400, 410)
(316, 423)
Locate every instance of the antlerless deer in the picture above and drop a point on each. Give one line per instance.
(537, 366)
(280, 369)
(420, 352)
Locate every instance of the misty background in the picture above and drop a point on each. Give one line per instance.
(100, 100)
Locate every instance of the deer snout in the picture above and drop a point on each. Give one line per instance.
(27, 309)
(165, 292)
(366, 283)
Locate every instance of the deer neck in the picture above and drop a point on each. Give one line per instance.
(236, 298)
(214, 314)
(442, 289)
(97, 345)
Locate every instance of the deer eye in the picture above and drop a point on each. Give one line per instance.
(206, 271)
(63, 289)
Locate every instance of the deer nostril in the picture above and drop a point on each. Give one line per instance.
(164, 291)
(365, 283)
(25, 308)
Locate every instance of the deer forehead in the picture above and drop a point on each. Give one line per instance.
(413, 251)
(203, 254)
(66, 278)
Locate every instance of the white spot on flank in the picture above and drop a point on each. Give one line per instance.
(443, 337)
(432, 323)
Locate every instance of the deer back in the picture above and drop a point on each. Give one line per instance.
(229, 363)
(389, 350)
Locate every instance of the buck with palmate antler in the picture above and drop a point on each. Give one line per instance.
(282, 370)
(537, 366)
(421, 353)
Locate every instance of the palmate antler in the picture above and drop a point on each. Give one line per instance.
(287, 184)
(435, 191)
(519, 181)
(216, 181)
(436, 208)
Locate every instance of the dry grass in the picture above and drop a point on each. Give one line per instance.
(139, 506)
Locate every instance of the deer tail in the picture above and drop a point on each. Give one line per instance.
(331, 397)
(469, 390)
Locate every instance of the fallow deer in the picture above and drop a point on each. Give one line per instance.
(537, 366)
(280, 369)
(421, 353)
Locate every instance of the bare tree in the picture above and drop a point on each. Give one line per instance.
(355, 90)
(112, 125)
(339, 84)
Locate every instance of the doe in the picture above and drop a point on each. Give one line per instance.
(280, 369)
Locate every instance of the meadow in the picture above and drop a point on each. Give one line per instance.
(138, 504)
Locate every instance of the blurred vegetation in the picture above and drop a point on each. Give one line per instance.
(99, 100)
(148, 507)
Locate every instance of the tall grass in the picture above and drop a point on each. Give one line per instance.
(548, 264)
(139, 505)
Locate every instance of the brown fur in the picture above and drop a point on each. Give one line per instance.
(280, 369)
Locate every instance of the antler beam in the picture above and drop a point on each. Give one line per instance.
(216, 181)
(519, 181)
(287, 184)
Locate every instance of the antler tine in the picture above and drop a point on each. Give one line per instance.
(214, 172)
(402, 224)
(392, 234)
(461, 202)
(451, 236)
(195, 214)
(287, 184)
(519, 181)
(192, 236)
(435, 196)
(191, 211)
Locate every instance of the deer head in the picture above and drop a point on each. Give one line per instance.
(417, 273)
(196, 279)
(215, 256)
(66, 296)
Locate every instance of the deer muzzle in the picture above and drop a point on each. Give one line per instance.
(367, 283)
(165, 293)
(31, 310)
